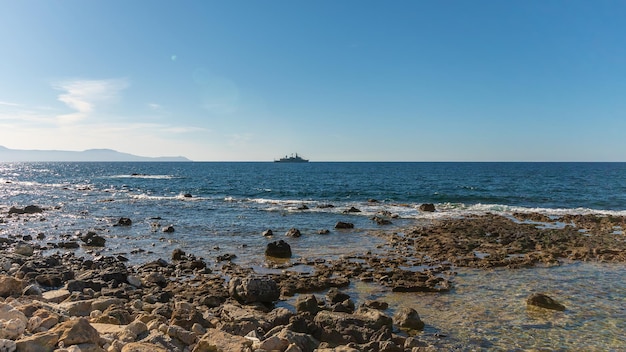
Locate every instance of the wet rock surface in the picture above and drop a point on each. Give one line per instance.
(59, 301)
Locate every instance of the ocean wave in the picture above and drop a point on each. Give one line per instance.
(144, 176)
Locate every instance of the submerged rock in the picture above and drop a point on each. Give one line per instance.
(344, 225)
(544, 301)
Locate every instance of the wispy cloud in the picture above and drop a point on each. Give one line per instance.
(83, 95)
(6, 103)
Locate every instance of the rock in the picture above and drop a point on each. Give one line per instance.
(134, 280)
(544, 301)
(29, 209)
(10, 286)
(168, 229)
(56, 296)
(186, 317)
(279, 249)
(178, 254)
(77, 331)
(273, 343)
(323, 232)
(68, 245)
(217, 340)
(268, 233)
(304, 342)
(352, 210)
(293, 232)
(142, 347)
(344, 225)
(12, 322)
(408, 318)
(24, 249)
(92, 239)
(32, 290)
(80, 308)
(124, 222)
(360, 327)
(43, 341)
(187, 195)
(307, 303)
(428, 207)
(380, 305)
(254, 289)
(336, 296)
(7, 345)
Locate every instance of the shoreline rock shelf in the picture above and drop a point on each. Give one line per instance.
(60, 301)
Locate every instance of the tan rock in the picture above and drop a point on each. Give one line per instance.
(77, 308)
(142, 347)
(56, 296)
(10, 286)
(43, 341)
(77, 331)
(217, 340)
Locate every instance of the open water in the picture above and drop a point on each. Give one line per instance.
(231, 204)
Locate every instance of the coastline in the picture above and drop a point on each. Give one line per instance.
(186, 302)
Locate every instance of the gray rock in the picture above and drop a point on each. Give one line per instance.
(254, 289)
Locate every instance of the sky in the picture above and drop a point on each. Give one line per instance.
(333, 80)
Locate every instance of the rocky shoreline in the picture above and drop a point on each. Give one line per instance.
(62, 302)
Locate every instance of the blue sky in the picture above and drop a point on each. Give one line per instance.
(341, 80)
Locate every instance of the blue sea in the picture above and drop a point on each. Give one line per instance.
(217, 208)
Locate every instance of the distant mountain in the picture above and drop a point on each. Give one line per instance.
(7, 154)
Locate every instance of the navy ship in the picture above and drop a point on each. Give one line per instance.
(294, 158)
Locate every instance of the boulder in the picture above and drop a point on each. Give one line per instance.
(293, 232)
(544, 301)
(77, 331)
(427, 207)
(7, 345)
(360, 327)
(24, 249)
(254, 289)
(168, 229)
(12, 322)
(217, 340)
(92, 239)
(29, 209)
(344, 225)
(124, 222)
(10, 286)
(278, 249)
(43, 341)
(178, 254)
(186, 317)
(352, 210)
(407, 318)
(268, 233)
(307, 303)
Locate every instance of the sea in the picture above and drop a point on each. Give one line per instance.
(219, 208)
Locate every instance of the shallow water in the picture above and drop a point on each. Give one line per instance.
(487, 309)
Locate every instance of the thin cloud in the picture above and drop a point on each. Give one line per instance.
(84, 95)
(6, 103)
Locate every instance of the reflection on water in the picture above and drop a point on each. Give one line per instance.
(487, 310)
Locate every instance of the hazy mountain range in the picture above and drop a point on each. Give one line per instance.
(7, 154)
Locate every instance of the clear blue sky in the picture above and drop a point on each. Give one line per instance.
(361, 80)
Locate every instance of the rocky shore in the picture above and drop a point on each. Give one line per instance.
(62, 302)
